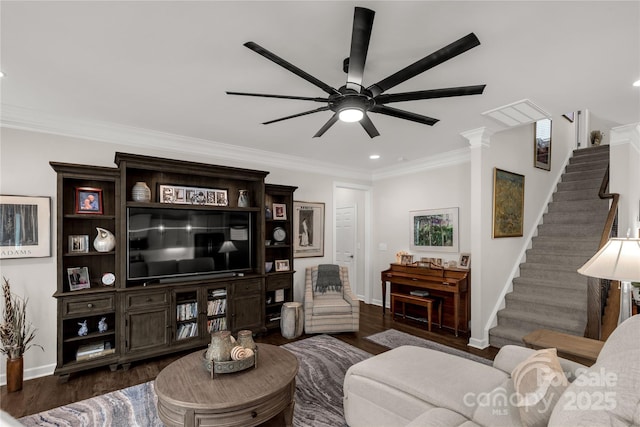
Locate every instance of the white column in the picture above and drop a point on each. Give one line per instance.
(479, 141)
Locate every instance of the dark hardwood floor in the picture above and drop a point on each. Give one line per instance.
(45, 393)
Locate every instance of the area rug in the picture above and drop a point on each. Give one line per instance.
(323, 360)
(392, 338)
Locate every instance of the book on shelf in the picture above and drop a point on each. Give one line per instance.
(187, 330)
(420, 293)
(217, 324)
(187, 311)
(218, 293)
(216, 306)
(94, 349)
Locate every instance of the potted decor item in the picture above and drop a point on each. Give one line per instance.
(16, 335)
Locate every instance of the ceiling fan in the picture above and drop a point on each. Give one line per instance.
(353, 101)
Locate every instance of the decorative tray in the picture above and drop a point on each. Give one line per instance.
(229, 366)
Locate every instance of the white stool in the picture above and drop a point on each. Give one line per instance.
(291, 320)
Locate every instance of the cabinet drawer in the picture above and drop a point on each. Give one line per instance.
(87, 305)
(247, 287)
(146, 299)
(278, 282)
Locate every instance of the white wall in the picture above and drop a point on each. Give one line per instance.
(512, 150)
(25, 170)
(441, 187)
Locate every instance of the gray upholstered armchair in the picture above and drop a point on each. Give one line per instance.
(329, 303)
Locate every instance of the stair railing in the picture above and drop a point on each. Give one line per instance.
(595, 292)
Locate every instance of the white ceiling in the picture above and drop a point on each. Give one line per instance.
(165, 66)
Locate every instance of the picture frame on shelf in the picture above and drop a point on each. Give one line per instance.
(78, 243)
(542, 144)
(282, 265)
(434, 230)
(89, 201)
(465, 261)
(508, 204)
(78, 278)
(184, 195)
(26, 223)
(279, 211)
(308, 229)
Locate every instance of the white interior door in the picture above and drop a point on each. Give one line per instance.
(346, 253)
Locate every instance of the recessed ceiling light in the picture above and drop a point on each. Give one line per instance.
(1, 74)
(636, 83)
(374, 156)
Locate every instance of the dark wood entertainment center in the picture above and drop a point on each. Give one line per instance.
(142, 319)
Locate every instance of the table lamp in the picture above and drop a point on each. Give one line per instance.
(618, 259)
(225, 249)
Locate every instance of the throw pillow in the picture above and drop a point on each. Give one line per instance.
(539, 382)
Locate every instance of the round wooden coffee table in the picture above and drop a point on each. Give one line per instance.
(187, 396)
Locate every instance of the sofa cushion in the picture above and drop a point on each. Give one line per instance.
(436, 378)
(607, 393)
(440, 417)
(539, 382)
(330, 304)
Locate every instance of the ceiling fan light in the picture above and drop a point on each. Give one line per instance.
(350, 115)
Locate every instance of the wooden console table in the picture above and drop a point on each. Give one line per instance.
(579, 349)
(446, 282)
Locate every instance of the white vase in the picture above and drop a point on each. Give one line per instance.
(105, 241)
(141, 192)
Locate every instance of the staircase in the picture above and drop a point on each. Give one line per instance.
(550, 294)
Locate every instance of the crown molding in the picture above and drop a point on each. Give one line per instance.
(36, 121)
(449, 158)
(626, 134)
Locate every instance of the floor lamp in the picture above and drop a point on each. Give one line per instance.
(618, 259)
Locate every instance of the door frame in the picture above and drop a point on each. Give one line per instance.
(366, 246)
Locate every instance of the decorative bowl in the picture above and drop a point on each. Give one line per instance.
(229, 366)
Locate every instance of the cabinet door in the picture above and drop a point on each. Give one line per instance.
(147, 329)
(247, 310)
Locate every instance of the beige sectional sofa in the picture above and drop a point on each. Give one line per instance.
(412, 386)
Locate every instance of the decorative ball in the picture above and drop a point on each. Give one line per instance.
(238, 353)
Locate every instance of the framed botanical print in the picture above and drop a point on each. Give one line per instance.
(434, 230)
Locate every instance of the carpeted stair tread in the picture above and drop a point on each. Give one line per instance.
(538, 284)
(545, 303)
(549, 292)
(592, 173)
(579, 205)
(567, 257)
(560, 322)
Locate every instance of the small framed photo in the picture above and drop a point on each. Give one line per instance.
(78, 278)
(89, 200)
(78, 243)
(465, 261)
(279, 211)
(282, 265)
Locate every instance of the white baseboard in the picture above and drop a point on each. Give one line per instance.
(31, 373)
(479, 344)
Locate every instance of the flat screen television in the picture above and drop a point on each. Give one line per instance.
(172, 243)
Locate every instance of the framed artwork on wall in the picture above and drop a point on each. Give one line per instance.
(542, 144)
(434, 230)
(308, 229)
(25, 227)
(508, 203)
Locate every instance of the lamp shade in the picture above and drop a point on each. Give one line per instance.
(618, 259)
(227, 247)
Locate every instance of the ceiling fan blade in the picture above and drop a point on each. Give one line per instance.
(266, 95)
(401, 114)
(438, 57)
(360, 36)
(368, 126)
(317, 110)
(430, 94)
(326, 126)
(287, 65)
